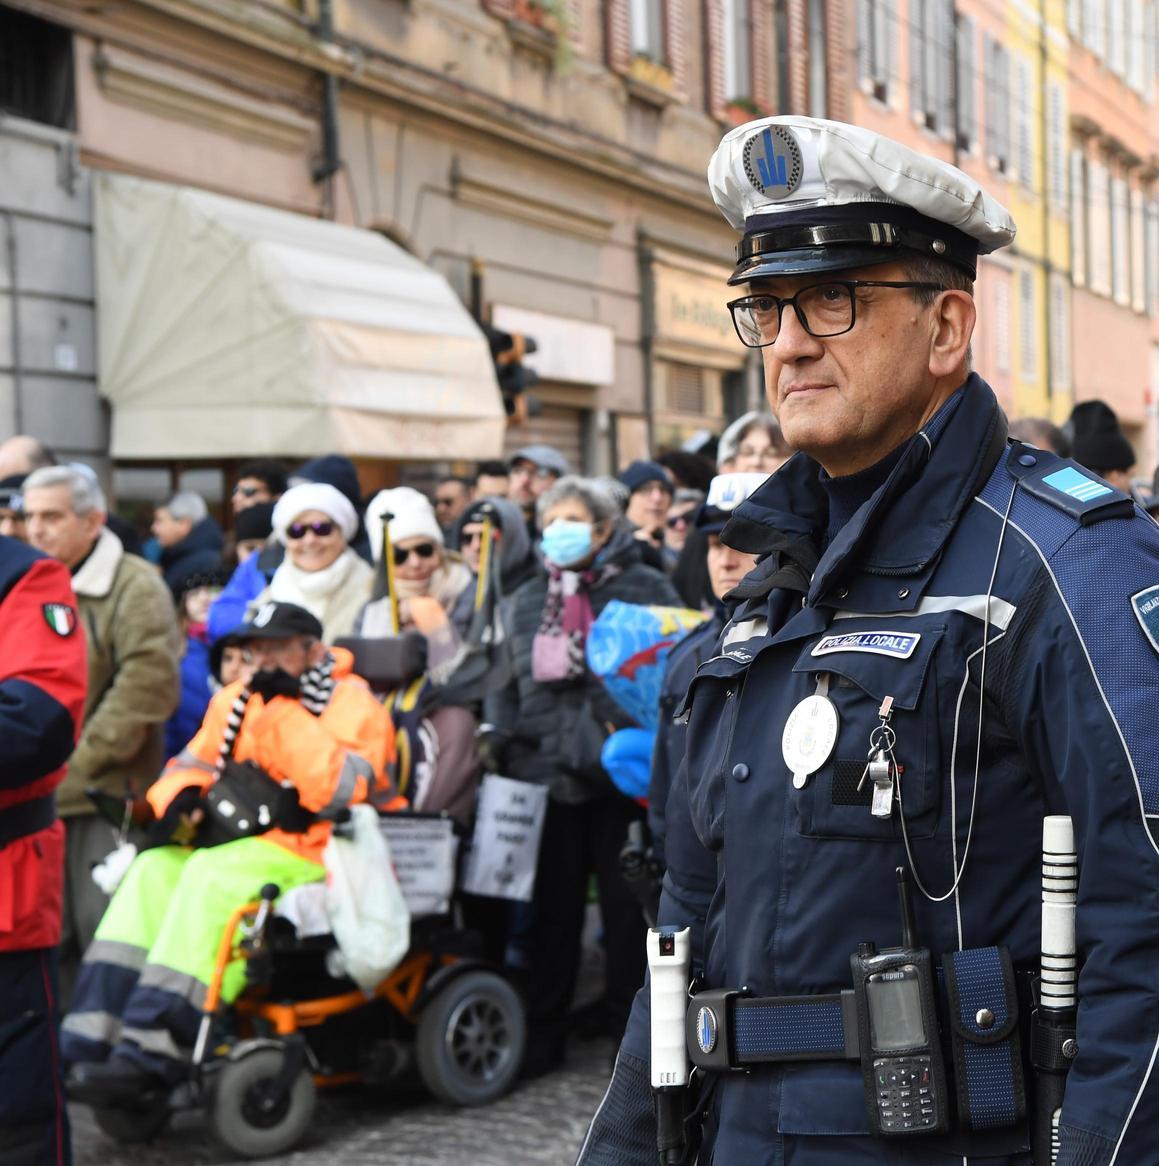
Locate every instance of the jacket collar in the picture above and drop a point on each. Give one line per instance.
(922, 498)
(95, 578)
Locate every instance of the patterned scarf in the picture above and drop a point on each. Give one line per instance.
(557, 652)
(316, 687)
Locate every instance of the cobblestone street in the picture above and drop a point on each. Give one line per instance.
(541, 1124)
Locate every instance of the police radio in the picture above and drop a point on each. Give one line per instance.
(901, 1054)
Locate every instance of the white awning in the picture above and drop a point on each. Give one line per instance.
(227, 329)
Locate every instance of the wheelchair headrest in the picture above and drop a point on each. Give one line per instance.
(387, 661)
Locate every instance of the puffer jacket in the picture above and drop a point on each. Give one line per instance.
(558, 729)
(134, 653)
(334, 760)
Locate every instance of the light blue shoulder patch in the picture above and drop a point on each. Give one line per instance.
(1145, 604)
(1075, 491)
(1069, 481)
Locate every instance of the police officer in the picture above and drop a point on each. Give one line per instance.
(42, 693)
(726, 568)
(934, 579)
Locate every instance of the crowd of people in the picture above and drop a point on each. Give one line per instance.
(187, 624)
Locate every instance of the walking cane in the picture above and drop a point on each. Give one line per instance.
(384, 578)
(1053, 1044)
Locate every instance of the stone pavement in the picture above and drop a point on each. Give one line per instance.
(541, 1124)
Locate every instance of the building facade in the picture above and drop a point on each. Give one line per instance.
(547, 158)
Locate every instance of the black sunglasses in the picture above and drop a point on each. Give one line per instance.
(297, 530)
(247, 491)
(423, 550)
(681, 520)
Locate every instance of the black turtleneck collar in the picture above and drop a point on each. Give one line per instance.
(847, 494)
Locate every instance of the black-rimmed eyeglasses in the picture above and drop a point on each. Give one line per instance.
(824, 309)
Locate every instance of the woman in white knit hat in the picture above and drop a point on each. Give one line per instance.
(423, 568)
(315, 522)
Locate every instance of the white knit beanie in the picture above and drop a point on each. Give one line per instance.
(412, 513)
(314, 496)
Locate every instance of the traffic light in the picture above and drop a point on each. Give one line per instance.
(507, 351)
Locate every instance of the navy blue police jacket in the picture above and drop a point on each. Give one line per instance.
(802, 876)
(683, 661)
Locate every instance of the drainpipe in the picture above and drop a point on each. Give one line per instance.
(14, 315)
(1047, 264)
(331, 160)
(646, 258)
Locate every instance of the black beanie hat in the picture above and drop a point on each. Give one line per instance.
(254, 522)
(1099, 443)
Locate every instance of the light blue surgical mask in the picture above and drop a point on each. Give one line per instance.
(566, 543)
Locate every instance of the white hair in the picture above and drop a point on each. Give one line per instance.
(85, 491)
(593, 494)
(187, 505)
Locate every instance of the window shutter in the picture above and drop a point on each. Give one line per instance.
(619, 35)
(1060, 333)
(1137, 253)
(761, 15)
(1120, 243)
(1098, 206)
(1027, 332)
(1002, 324)
(1056, 173)
(575, 29)
(1078, 218)
(714, 58)
(1151, 257)
(967, 111)
(864, 42)
(1025, 130)
(889, 69)
(917, 62)
(676, 44)
(947, 114)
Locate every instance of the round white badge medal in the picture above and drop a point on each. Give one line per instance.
(810, 734)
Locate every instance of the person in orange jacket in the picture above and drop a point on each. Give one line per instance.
(302, 718)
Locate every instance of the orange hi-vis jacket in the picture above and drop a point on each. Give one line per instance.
(334, 760)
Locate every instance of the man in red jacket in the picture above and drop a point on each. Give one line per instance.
(42, 693)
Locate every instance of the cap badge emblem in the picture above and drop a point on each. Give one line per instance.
(772, 162)
(706, 1030)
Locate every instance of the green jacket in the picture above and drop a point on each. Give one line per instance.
(134, 651)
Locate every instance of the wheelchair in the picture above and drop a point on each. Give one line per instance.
(302, 1025)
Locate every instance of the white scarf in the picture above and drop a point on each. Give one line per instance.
(310, 589)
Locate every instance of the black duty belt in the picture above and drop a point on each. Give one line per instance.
(26, 818)
(727, 1030)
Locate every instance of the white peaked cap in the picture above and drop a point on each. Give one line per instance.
(824, 194)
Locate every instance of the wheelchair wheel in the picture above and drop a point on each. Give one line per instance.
(245, 1119)
(128, 1126)
(470, 1039)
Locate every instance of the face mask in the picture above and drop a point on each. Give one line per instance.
(565, 543)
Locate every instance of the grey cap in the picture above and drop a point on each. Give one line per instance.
(547, 457)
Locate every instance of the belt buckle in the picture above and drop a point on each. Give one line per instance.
(708, 1030)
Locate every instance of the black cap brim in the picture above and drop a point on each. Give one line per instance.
(808, 260)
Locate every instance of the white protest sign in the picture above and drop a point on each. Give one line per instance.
(508, 825)
(423, 852)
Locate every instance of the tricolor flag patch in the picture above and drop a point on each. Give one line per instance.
(60, 617)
